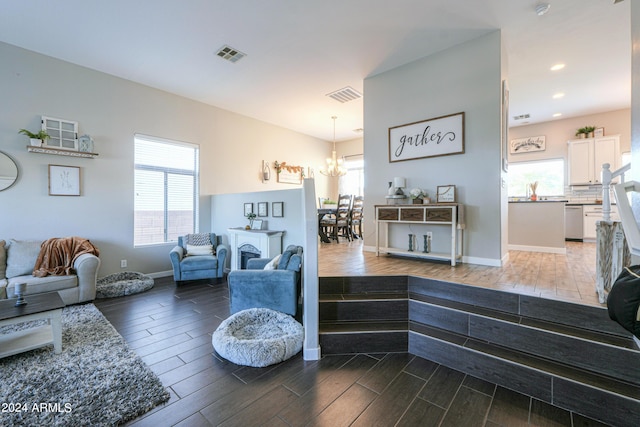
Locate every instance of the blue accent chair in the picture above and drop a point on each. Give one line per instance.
(277, 289)
(198, 267)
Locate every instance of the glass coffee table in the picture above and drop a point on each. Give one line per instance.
(47, 306)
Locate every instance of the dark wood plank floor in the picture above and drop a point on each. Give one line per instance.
(170, 328)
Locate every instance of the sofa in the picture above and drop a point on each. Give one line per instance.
(268, 283)
(18, 259)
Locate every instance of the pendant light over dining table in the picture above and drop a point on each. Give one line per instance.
(334, 165)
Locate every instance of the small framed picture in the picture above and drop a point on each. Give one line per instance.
(446, 194)
(263, 209)
(257, 224)
(64, 180)
(599, 132)
(248, 208)
(277, 209)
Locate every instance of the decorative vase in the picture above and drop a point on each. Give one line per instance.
(391, 191)
(534, 197)
(411, 238)
(427, 243)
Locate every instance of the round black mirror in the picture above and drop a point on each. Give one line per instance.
(8, 171)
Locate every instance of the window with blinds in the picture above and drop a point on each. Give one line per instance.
(166, 190)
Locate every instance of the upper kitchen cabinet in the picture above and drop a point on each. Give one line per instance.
(586, 157)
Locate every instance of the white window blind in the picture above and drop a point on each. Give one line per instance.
(166, 190)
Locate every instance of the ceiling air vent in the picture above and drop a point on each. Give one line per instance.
(345, 94)
(521, 117)
(230, 54)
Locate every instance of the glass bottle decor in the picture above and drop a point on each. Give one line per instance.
(391, 191)
(426, 243)
(410, 242)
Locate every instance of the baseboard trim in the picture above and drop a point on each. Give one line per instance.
(159, 274)
(312, 353)
(544, 249)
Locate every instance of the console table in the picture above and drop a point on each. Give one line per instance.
(449, 215)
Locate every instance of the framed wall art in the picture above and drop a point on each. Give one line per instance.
(263, 209)
(64, 180)
(528, 144)
(440, 136)
(277, 209)
(248, 208)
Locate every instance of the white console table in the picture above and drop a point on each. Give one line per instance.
(433, 215)
(265, 243)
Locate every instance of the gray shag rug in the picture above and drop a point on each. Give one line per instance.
(96, 380)
(121, 284)
(258, 337)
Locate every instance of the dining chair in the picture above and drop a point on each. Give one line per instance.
(342, 220)
(356, 216)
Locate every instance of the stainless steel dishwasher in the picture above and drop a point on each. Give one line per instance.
(573, 222)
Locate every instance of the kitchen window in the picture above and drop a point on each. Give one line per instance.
(548, 173)
(166, 190)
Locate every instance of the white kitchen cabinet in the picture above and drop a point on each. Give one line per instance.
(592, 214)
(586, 157)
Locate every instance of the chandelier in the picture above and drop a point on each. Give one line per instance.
(334, 165)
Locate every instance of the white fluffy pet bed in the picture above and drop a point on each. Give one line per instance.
(258, 337)
(120, 284)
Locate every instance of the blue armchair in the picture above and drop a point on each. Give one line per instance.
(277, 289)
(193, 265)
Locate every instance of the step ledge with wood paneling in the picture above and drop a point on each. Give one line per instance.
(560, 385)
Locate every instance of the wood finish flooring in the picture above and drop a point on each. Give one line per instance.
(170, 328)
(569, 277)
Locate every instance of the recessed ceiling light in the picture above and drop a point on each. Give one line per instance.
(557, 67)
(557, 114)
(558, 95)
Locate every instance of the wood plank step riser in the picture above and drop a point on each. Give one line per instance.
(362, 284)
(363, 310)
(576, 352)
(565, 313)
(599, 404)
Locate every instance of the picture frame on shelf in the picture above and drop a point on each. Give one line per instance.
(248, 208)
(598, 133)
(257, 224)
(64, 180)
(263, 209)
(446, 194)
(277, 209)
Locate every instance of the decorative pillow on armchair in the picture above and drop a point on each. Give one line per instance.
(199, 250)
(199, 244)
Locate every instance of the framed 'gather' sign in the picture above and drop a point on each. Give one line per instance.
(440, 136)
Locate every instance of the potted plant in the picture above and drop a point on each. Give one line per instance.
(581, 133)
(36, 139)
(250, 216)
(589, 131)
(417, 195)
(329, 204)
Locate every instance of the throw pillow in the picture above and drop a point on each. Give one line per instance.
(273, 264)
(3, 260)
(21, 257)
(199, 239)
(199, 250)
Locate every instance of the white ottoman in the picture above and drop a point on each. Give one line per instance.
(258, 337)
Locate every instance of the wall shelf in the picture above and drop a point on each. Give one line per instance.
(58, 152)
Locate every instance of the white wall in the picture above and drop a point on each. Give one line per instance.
(465, 78)
(227, 211)
(558, 132)
(112, 110)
